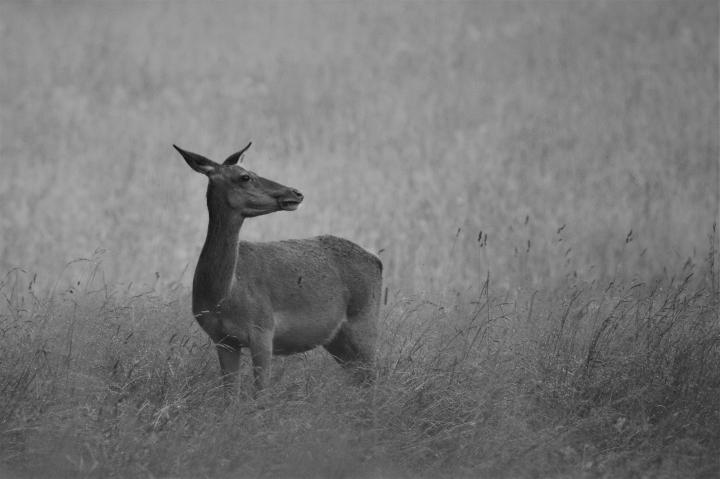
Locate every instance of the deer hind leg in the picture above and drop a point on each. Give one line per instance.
(354, 346)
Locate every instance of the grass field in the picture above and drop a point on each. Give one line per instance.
(540, 179)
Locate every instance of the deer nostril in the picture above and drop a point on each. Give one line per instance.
(297, 193)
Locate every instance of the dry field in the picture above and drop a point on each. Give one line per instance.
(540, 178)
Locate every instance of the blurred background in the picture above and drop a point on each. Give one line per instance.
(525, 140)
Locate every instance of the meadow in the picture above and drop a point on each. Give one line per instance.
(540, 179)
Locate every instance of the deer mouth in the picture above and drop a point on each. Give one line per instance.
(289, 205)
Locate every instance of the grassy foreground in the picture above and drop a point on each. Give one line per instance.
(585, 380)
(540, 179)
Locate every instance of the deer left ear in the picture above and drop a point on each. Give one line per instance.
(233, 159)
(197, 162)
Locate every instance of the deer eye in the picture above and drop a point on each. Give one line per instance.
(245, 178)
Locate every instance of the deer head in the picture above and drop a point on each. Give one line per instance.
(233, 190)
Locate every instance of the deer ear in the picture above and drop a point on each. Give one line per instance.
(233, 159)
(197, 162)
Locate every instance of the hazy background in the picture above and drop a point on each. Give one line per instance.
(411, 127)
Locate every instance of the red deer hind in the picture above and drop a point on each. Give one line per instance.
(279, 297)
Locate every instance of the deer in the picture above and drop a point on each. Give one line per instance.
(278, 297)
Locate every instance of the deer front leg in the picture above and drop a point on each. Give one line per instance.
(229, 363)
(261, 347)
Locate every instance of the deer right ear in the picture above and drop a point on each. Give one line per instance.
(197, 162)
(233, 159)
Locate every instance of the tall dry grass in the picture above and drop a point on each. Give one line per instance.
(540, 179)
(617, 379)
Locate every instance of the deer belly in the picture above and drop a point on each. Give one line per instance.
(297, 332)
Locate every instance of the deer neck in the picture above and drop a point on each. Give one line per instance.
(215, 272)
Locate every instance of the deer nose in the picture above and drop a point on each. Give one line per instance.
(298, 194)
